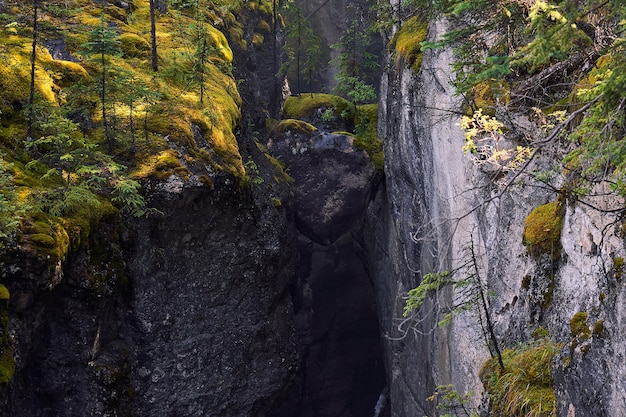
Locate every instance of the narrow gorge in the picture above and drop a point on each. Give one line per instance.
(225, 242)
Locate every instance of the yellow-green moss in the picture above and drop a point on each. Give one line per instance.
(47, 236)
(407, 42)
(366, 122)
(542, 229)
(486, 95)
(161, 166)
(303, 106)
(618, 268)
(66, 73)
(295, 126)
(263, 27)
(7, 361)
(134, 46)
(236, 36)
(598, 328)
(257, 39)
(578, 326)
(525, 387)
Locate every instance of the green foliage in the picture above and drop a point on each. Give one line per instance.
(451, 403)
(253, 175)
(525, 387)
(11, 211)
(500, 45)
(429, 285)
(303, 48)
(101, 41)
(355, 89)
(354, 60)
(126, 195)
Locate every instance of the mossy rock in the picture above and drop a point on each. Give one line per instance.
(134, 46)
(578, 326)
(304, 105)
(407, 42)
(294, 126)
(366, 122)
(542, 229)
(161, 166)
(47, 236)
(66, 73)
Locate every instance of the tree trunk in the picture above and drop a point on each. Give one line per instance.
(33, 57)
(155, 58)
(105, 124)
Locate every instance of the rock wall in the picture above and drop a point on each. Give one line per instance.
(438, 202)
(201, 322)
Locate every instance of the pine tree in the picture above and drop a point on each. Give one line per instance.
(303, 46)
(103, 43)
(33, 58)
(354, 60)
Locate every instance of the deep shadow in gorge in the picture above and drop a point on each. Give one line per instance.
(342, 372)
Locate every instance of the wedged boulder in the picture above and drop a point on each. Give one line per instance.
(332, 179)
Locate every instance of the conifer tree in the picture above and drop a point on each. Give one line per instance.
(33, 58)
(303, 46)
(103, 43)
(354, 60)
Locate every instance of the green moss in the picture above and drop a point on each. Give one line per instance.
(407, 42)
(295, 126)
(541, 333)
(47, 236)
(542, 229)
(263, 27)
(7, 361)
(66, 73)
(134, 46)
(7, 365)
(257, 39)
(366, 122)
(303, 106)
(525, 387)
(276, 202)
(161, 166)
(598, 328)
(578, 326)
(618, 268)
(485, 95)
(549, 293)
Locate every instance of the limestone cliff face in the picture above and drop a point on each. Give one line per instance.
(437, 202)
